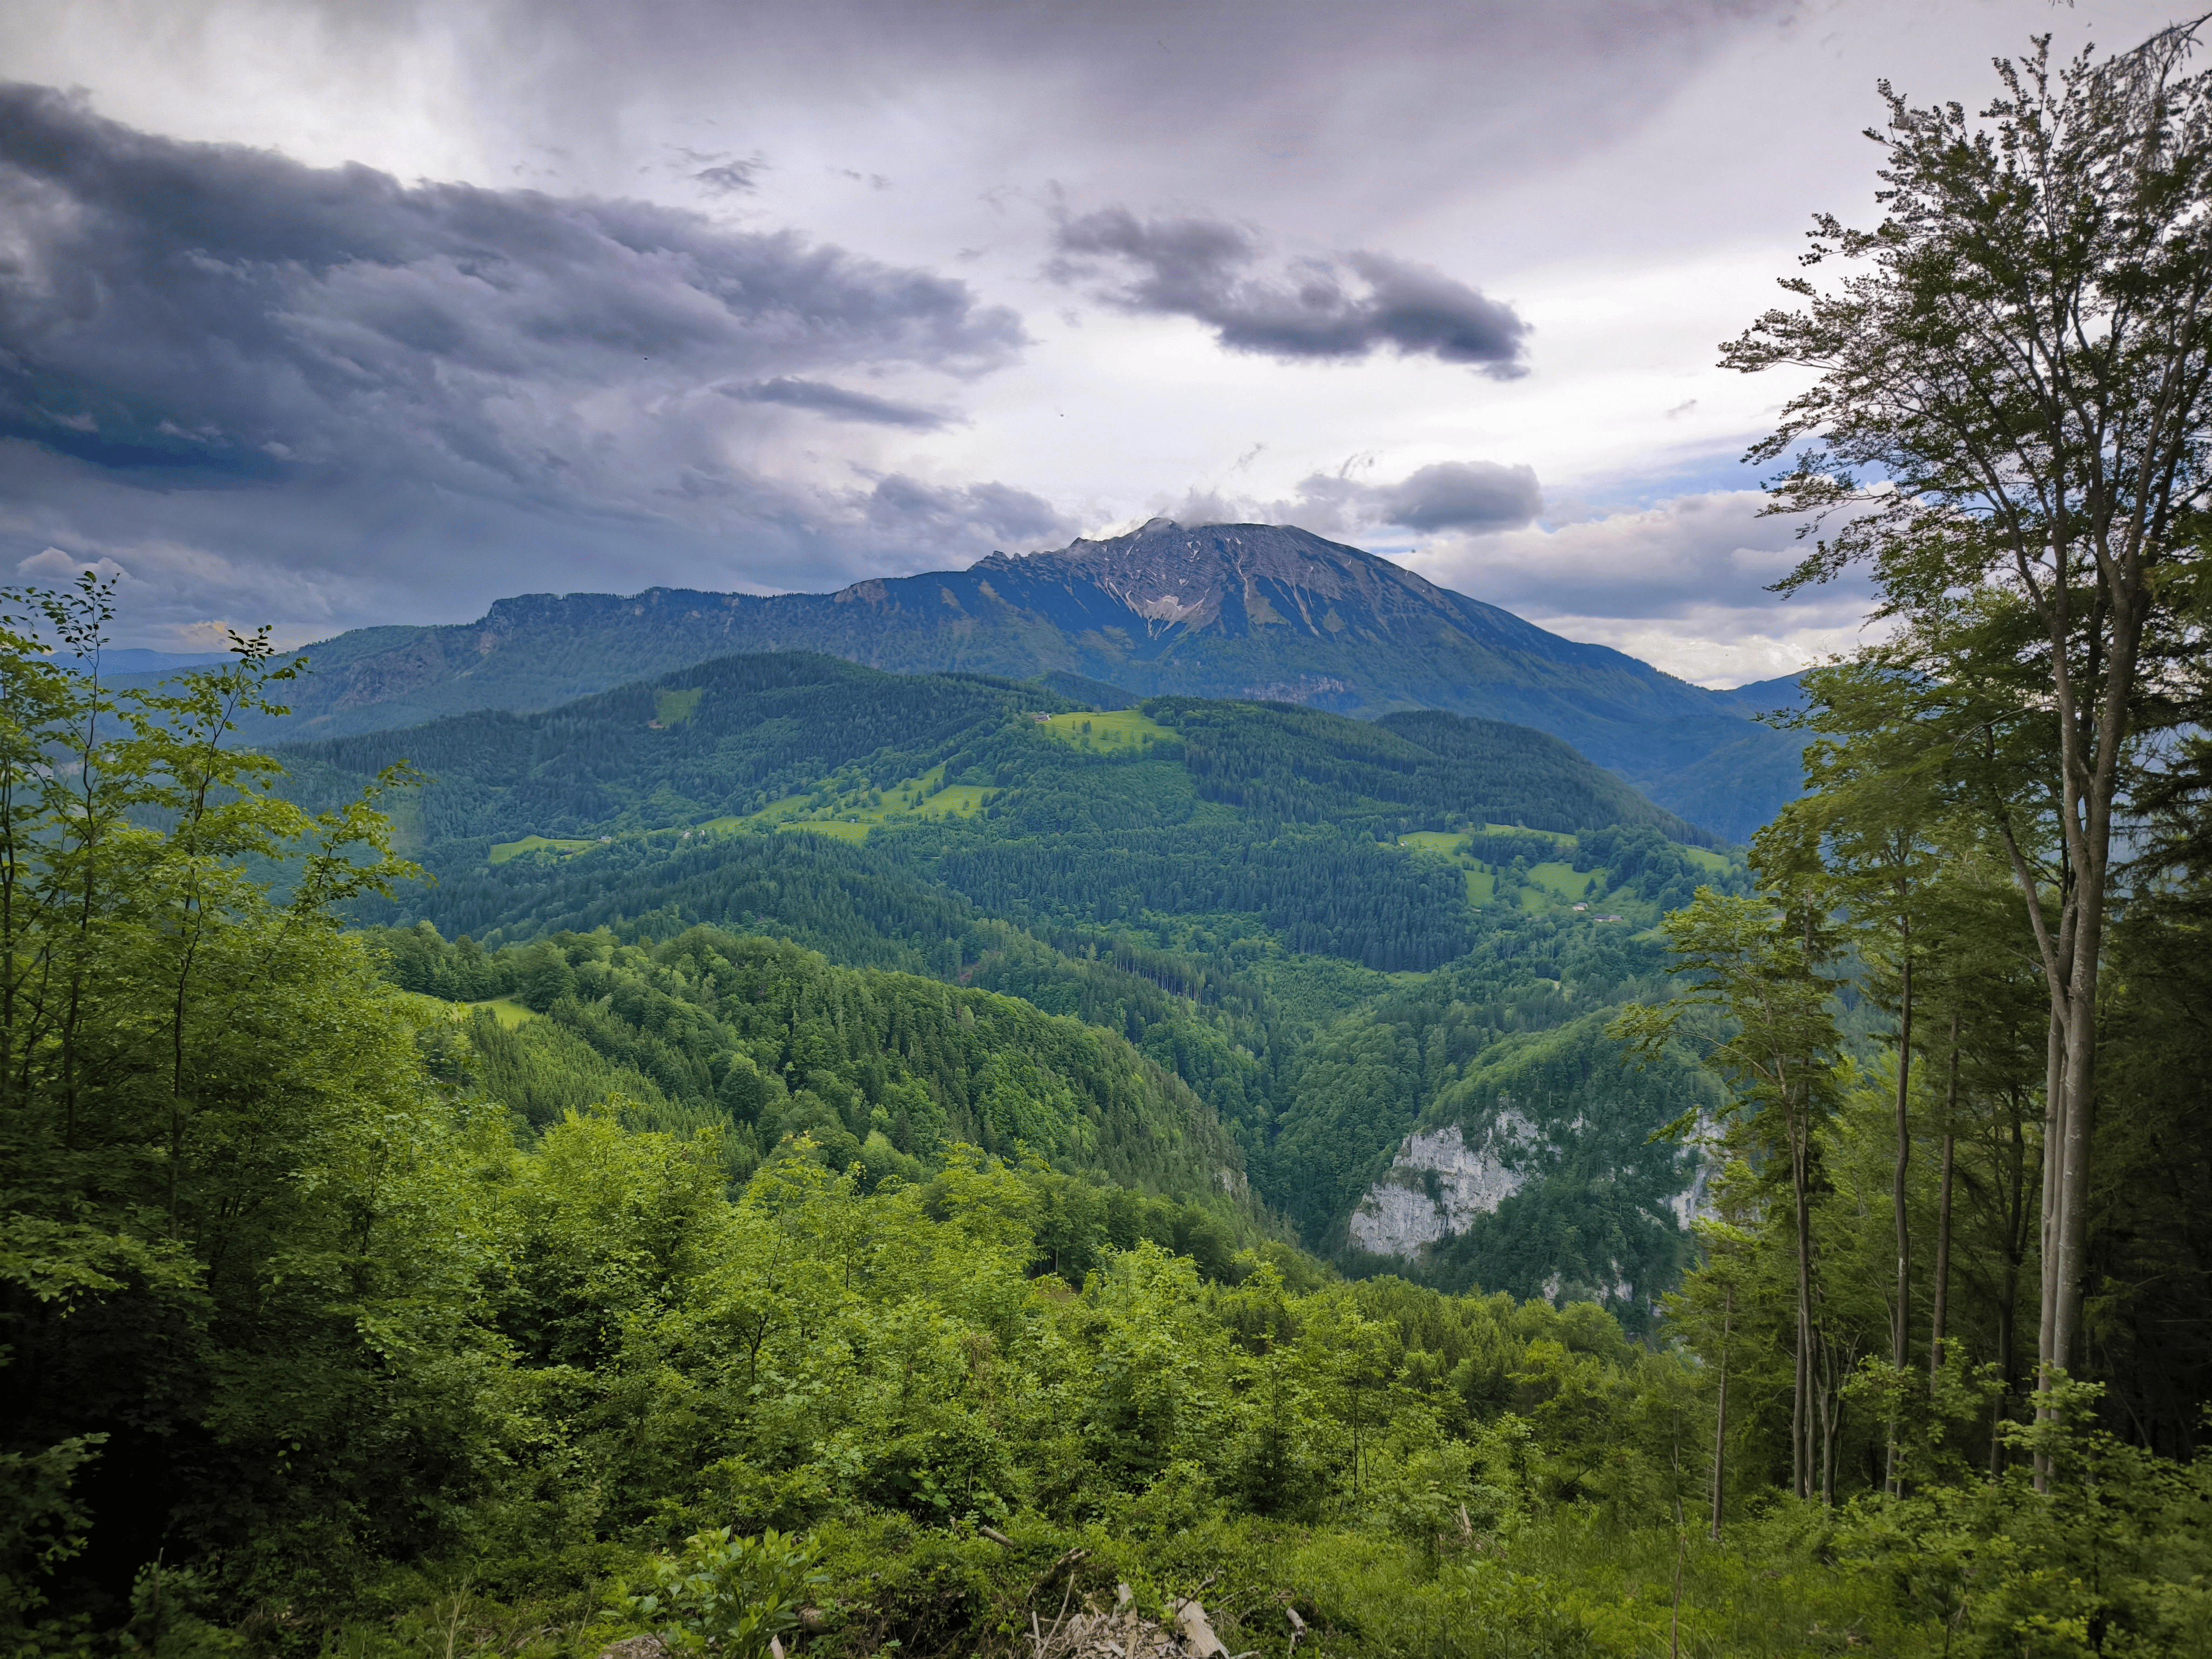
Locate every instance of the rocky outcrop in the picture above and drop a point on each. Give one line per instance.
(1694, 1202)
(1438, 1183)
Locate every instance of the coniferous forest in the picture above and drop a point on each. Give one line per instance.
(784, 1157)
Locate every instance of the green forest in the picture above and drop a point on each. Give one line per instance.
(789, 1159)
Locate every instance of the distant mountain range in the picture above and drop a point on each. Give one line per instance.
(115, 660)
(1254, 611)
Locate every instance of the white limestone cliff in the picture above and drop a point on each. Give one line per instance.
(1398, 1215)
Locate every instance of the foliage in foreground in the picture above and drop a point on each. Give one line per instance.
(313, 1342)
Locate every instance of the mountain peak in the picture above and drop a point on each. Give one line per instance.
(1236, 578)
(1258, 611)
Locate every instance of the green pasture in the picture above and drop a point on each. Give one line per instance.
(962, 801)
(1482, 878)
(1545, 886)
(849, 814)
(1565, 883)
(1126, 731)
(502, 851)
(835, 829)
(674, 707)
(1441, 842)
(1559, 838)
(506, 1010)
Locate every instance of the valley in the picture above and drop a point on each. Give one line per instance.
(1317, 928)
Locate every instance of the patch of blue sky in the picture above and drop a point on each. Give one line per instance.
(1712, 471)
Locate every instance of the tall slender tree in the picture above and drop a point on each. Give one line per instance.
(1754, 962)
(2008, 423)
(1877, 779)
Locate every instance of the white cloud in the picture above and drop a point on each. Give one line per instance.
(1681, 584)
(52, 565)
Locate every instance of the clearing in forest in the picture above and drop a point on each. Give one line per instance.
(502, 851)
(1126, 730)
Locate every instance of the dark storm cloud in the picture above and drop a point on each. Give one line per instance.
(1348, 307)
(1473, 495)
(911, 511)
(840, 404)
(201, 313)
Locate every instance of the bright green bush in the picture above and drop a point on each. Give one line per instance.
(727, 1594)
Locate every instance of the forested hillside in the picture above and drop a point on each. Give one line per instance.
(734, 736)
(1182, 872)
(1228, 612)
(763, 1041)
(376, 1294)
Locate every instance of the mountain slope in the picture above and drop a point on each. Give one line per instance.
(1216, 610)
(733, 737)
(768, 1040)
(1228, 887)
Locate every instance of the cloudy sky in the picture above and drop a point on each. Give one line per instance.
(326, 315)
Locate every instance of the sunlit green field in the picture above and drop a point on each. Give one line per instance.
(1481, 880)
(509, 1013)
(1442, 842)
(835, 829)
(1564, 882)
(846, 815)
(849, 815)
(1127, 730)
(502, 851)
(1545, 886)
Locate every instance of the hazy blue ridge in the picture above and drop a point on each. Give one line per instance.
(1246, 611)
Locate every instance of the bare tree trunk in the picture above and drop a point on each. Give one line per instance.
(2081, 1123)
(1720, 1416)
(2054, 1141)
(2092, 733)
(2015, 1257)
(1943, 1285)
(1900, 1326)
(1801, 1176)
(1831, 1423)
(1801, 1427)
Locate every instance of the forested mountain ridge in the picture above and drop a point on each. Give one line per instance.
(734, 736)
(319, 1290)
(1236, 611)
(763, 1042)
(1179, 872)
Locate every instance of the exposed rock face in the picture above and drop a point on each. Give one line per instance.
(1438, 1183)
(1228, 579)
(1695, 1202)
(1535, 1173)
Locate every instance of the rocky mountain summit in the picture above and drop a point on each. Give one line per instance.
(1234, 580)
(1243, 611)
